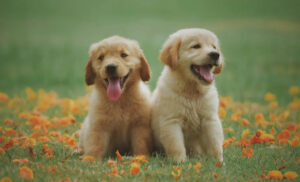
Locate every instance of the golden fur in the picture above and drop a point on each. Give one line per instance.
(185, 107)
(122, 124)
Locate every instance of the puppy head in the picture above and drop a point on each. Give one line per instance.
(114, 63)
(195, 52)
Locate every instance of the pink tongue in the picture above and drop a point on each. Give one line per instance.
(206, 74)
(114, 89)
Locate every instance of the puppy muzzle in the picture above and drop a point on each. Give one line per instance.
(214, 58)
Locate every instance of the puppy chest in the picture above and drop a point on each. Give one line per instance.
(192, 119)
(191, 125)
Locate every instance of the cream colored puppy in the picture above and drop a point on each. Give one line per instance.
(185, 102)
(119, 110)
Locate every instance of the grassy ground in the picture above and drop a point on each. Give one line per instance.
(45, 45)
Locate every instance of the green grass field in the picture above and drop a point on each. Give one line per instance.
(44, 45)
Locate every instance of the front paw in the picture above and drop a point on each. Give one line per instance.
(178, 157)
(78, 151)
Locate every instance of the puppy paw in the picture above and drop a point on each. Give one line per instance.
(78, 151)
(178, 158)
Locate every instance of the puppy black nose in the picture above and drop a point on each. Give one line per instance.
(214, 55)
(111, 69)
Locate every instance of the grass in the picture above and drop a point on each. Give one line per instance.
(45, 45)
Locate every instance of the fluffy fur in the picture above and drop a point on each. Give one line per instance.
(123, 122)
(185, 102)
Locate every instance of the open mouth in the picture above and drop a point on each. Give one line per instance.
(203, 72)
(114, 86)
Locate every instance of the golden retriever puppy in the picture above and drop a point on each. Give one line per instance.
(119, 111)
(185, 102)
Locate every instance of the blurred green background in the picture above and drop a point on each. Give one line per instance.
(44, 44)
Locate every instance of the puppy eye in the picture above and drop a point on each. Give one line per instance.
(101, 57)
(197, 46)
(124, 55)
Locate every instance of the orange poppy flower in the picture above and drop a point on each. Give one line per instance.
(26, 173)
(119, 157)
(290, 175)
(275, 174)
(21, 161)
(135, 168)
(247, 152)
(88, 159)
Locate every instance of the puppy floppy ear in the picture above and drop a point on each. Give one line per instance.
(90, 74)
(169, 52)
(145, 72)
(219, 68)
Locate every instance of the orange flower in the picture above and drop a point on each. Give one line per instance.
(245, 122)
(222, 112)
(2, 138)
(21, 161)
(72, 142)
(294, 90)
(111, 162)
(53, 169)
(290, 175)
(31, 151)
(273, 117)
(119, 157)
(215, 175)
(135, 168)
(177, 173)
(139, 158)
(88, 159)
(285, 134)
(273, 104)
(228, 141)
(284, 115)
(26, 173)
(66, 105)
(66, 121)
(114, 172)
(5, 179)
(10, 122)
(10, 132)
(295, 142)
(292, 127)
(260, 120)
(219, 163)
(245, 134)
(3, 97)
(197, 166)
(270, 97)
(247, 152)
(1, 151)
(295, 104)
(244, 143)
(267, 138)
(262, 137)
(263, 176)
(273, 131)
(275, 174)
(236, 116)
(176, 167)
(259, 117)
(8, 144)
(31, 95)
(50, 153)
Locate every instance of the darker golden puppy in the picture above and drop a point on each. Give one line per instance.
(119, 111)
